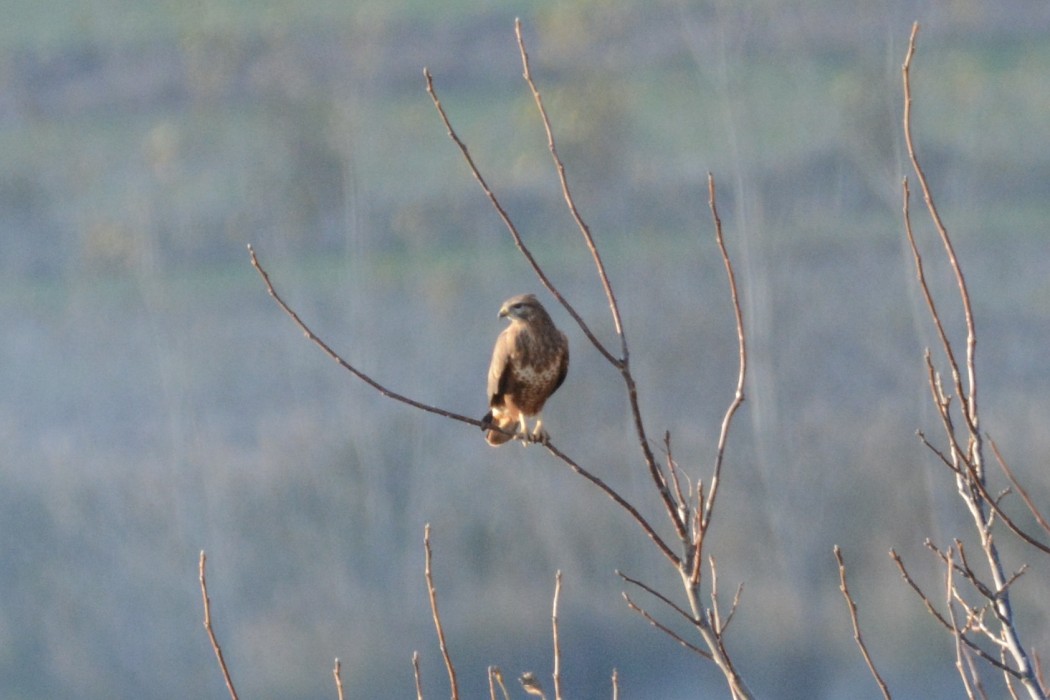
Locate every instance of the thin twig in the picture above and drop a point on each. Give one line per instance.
(978, 684)
(338, 679)
(417, 675)
(972, 487)
(734, 606)
(665, 629)
(963, 567)
(1038, 663)
(346, 365)
(432, 593)
(697, 552)
(618, 499)
(1043, 523)
(920, 273)
(968, 473)
(944, 622)
(738, 396)
(970, 396)
(615, 685)
(977, 484)
(852, 607)
(557, 646)
(211, 633)
(672, 469)
(933, 448)
(496, 678)
(957, 633)
(713, 614)
(658, 595)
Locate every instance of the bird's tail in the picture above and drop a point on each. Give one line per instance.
(504, 422)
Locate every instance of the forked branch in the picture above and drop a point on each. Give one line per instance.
(965, 458)
(337, 673)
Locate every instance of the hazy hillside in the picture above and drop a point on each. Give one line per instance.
(154, 402)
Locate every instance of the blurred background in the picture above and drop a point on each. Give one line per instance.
(154, 401)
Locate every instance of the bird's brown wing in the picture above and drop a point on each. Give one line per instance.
(500, 368)
(564, 369)
(500, 382)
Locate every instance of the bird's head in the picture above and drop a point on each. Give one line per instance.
(524, 307)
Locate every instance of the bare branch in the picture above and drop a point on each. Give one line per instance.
(496, 678)
(1009, 685)
(713, 614)
(1017, 487)
(944, 622)
(957, 633)
(971, 480)
(620, 500)
(978, 486)
(557, 646)
(658, 595)
(978, 685)
(211, 633)
(852, 607)
(920, 272)
(1039, 671)
(734, 606)
(338, 679)
(963, 567)
(416, 674)
(932, 448)
(615, 685)
(432, 593)
(672, 469)
(738, 397)
(346, 365)
(699, 531)
(665, 629)
(970, 397)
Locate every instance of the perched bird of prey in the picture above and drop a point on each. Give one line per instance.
(529, 363)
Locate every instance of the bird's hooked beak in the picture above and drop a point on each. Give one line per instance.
(504, 312)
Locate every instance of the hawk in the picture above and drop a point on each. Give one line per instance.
(529, 363)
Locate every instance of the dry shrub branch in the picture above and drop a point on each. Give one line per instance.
(976, 608)
(211, 632)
